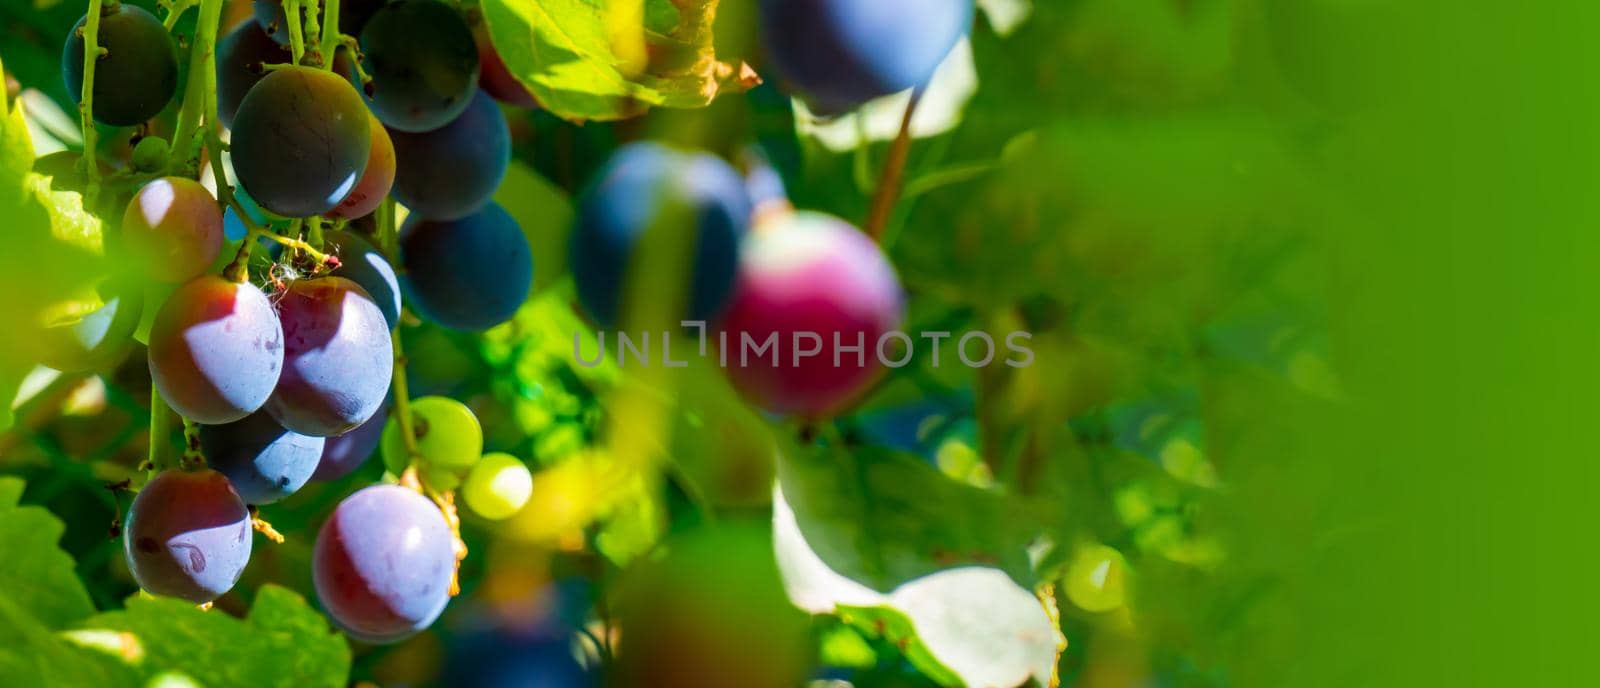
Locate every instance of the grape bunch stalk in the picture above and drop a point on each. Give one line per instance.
(281, 356)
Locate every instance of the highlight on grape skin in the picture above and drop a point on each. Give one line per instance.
(188, 535)
(216, 350)
(383, 562)
(498, 486)
(337, 357)
(362, 263)
(376, 180)
(174, 228)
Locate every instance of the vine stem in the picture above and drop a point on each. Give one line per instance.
(91, 55)
(888, 193)
(202, 56)
(389, 243)
(175, 10)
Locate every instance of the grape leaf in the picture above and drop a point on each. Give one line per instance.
(36, 575)
(970, 625)
(882, 519)
(284, 642)
(602, 61)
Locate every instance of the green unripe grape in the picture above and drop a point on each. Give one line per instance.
(150, 154)
(449, 439)
(498, 486)
(1096, 579)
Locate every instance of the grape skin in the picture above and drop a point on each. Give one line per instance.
(466, 274)
(813, 273)
(452, 171)
(383, 563)
(423, 63)
(240, 55)
(264, 461)
(187, 536)
(301, 141)
(338, 358)
(342, 455)
(631, 193)
(365, 265)
(842, 53)
(138, 74)
(449, 437)
(216, 350)
(173, 228)
(498, 486)
(376, 180)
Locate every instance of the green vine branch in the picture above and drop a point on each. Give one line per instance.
(91, 55)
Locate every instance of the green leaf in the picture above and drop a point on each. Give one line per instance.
(882, 519)
(606, 61)
(53, 243)
(970, 625)
(284, 642)
(35, 574)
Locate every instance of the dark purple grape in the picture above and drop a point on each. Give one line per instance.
(423, 63)
(362, 263)
(188, 535)
(138, 74)
(640, 186)
(301, 140)
(240, 55)
(337, 357)
(342, 455)
(383, 563)
(216, 350)
(842, 53)
(453, 171)
(264, 462)
(467, 274)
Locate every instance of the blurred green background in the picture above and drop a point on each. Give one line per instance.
(1312, 286)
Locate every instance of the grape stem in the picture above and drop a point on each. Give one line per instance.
(160, 431)
(894, 167)
(262, 526)
(313, 28)
(91, 54)
(297, 41)
(202, 57)
(389, 244)
(175, 10)
(330, 33)
(193, 458)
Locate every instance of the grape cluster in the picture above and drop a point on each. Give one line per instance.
(286, 379)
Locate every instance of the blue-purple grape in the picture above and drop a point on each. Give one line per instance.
(454, 170)
(187, 535)
(842, 53)
(240, 55)
(264, 461)
(383, 563)
(467, 274)
(641, 187)
(423, 63)
(337, 357)
(364, 264)
(342, 455)
(138, 74)
(216, 350)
